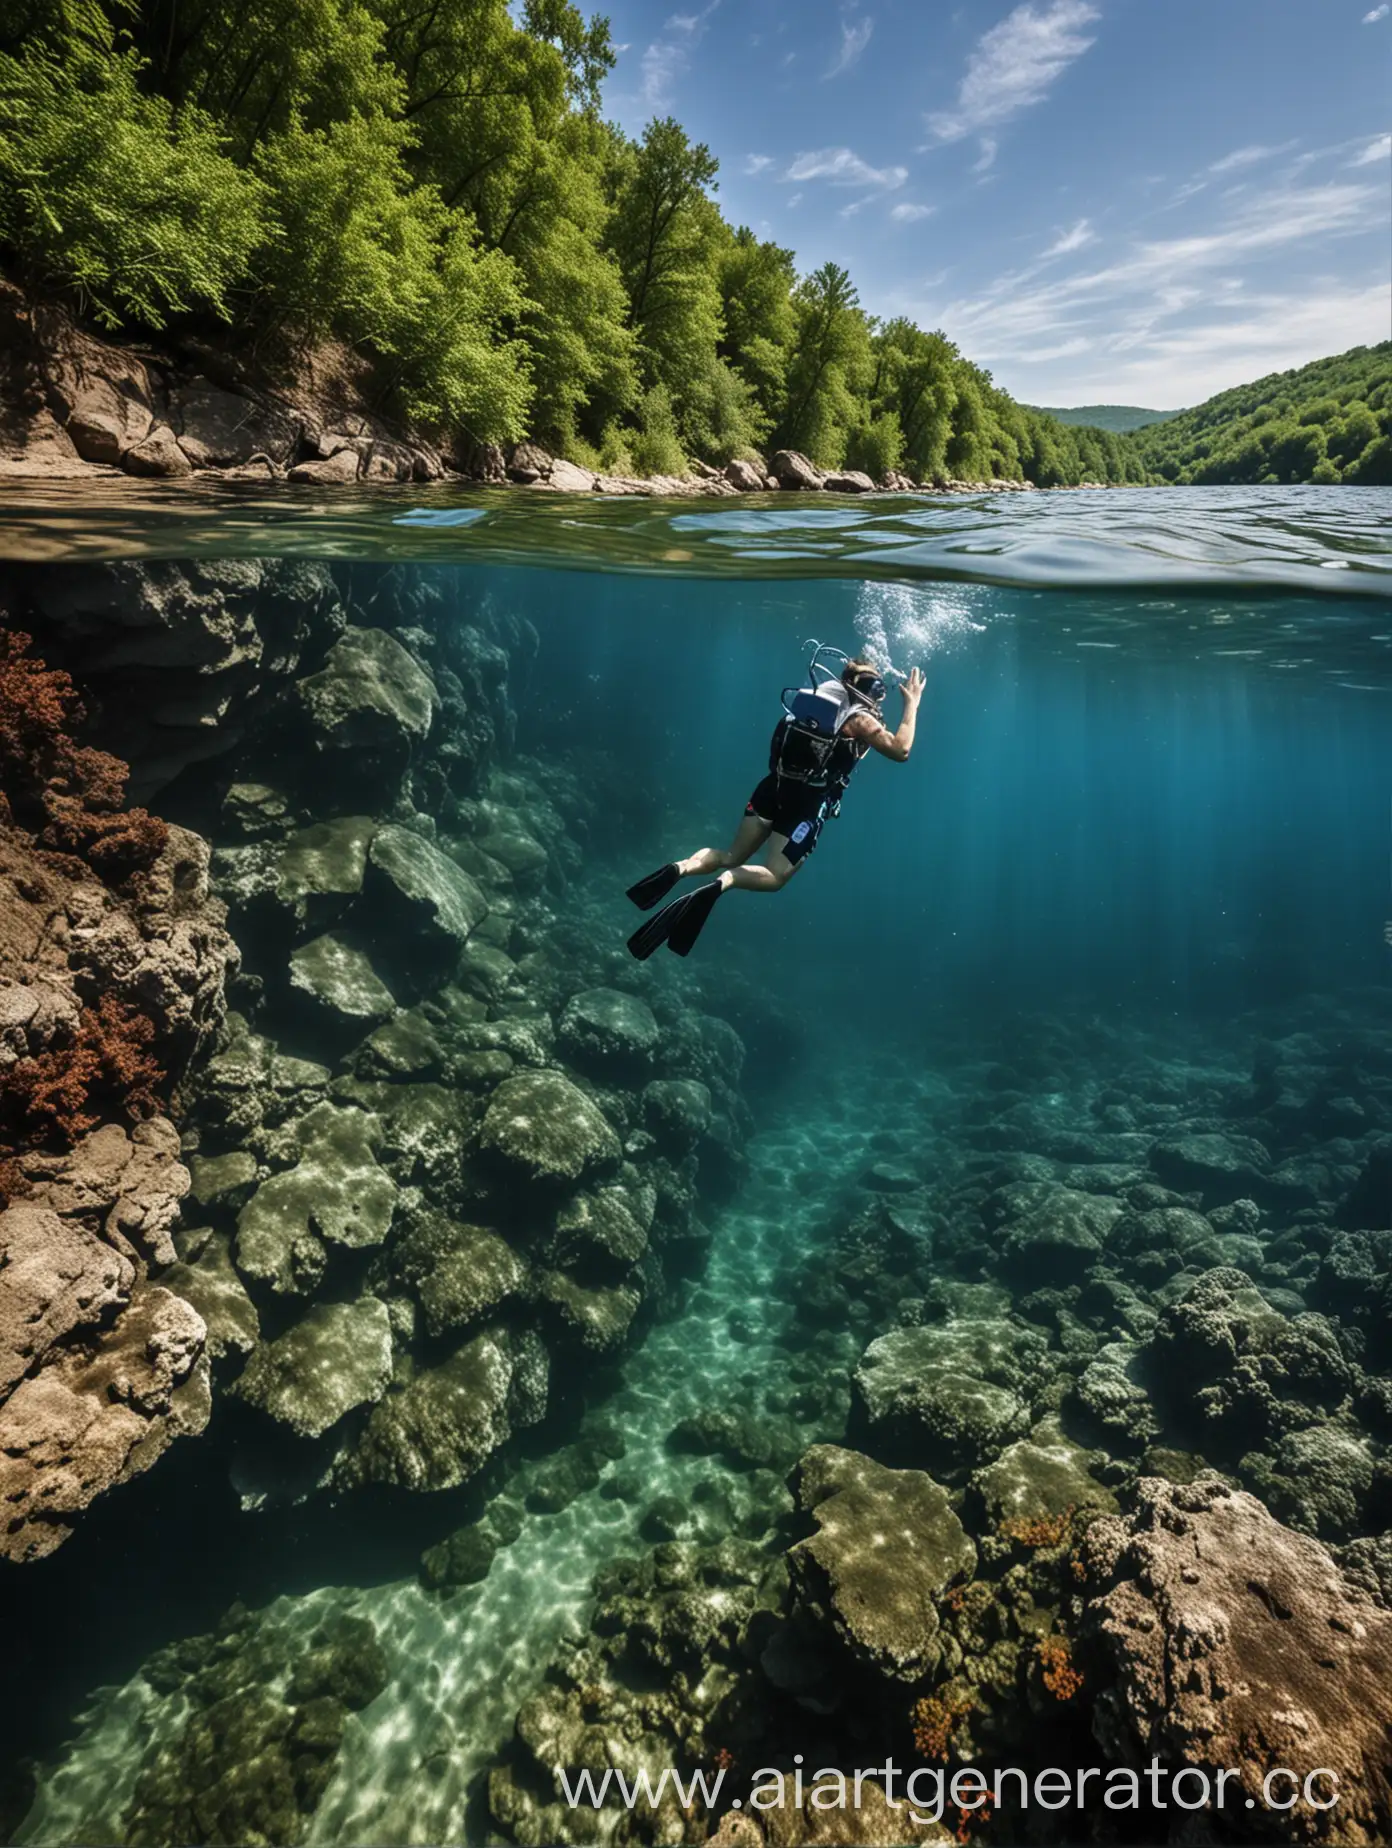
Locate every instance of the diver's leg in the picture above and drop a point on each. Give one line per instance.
(772, 876)
(750, 836)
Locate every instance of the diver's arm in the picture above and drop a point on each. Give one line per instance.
(895, 745)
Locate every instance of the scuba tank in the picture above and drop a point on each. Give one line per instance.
(807, 746)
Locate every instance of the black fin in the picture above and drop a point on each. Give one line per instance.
(687, 926)
(652, 934)
(655, 886)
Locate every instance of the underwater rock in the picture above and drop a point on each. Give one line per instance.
(1240, 1367)
(321, 867)
(206, 1277)
(1319, 1480)
(887, 1547)
(371, 697)
(949, 1395)
(1059, 1235)
(1222, 1168)
(1112, 1397)
(597, 1319)
(1045, 1474)
(608, 1032)
(459, 1273)
(222, 1181)
(603, 1232)
(249, 1764)
(92, 1419)
(464, 1559)
(335, 1194)
(1368, 1203)
(58, 1276)
(340, 984)
(677, 1111)
(129, 1185)
(1229, 1641)
(249, 1092)
(545, 1131)
(443, 1425)
(421, 902)
(336, 1357)
(179, 655)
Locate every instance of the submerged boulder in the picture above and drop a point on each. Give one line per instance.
(335, 1194)
(949, 1395)
(887, 1547)
(608, 1031)
(337, 1357)
(421, 903)
(441, 1428)
(459, 1273)
(369, 696)
(338, 983)
(1226, 1640)
(543, 1129)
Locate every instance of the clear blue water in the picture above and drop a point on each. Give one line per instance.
(1146, 827)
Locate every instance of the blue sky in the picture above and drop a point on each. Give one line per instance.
(1102, 201)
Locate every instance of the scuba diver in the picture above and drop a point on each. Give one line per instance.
(826, 728)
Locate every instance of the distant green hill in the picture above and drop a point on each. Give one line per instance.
(1328, 421)
(1119, 417)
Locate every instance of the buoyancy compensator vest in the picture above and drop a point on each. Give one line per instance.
(808, 744)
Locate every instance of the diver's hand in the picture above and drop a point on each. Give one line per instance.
(912, 688)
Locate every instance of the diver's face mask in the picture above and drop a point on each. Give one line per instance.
(869, 688)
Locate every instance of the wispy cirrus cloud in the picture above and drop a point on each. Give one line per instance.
(1378, 12)
(757, 163)
(906, 213)
(1379, 148)
(1073, 239)
(855, 36)
(1014, 65)
(844, 167)
(667, 56)
(1176, 318)
(986, 159)
(1248, 157)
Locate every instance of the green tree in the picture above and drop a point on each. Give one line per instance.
(115, 196)
(830, 369)
(759, 323)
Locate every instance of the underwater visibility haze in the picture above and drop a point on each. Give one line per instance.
(897, 1328)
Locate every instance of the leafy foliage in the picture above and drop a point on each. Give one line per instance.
(1330, 421)
(106, 192)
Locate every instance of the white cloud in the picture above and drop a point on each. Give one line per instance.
(1378, 12)
(987, 156)
(844, 168)
(1379, 148)
(855, 36)
(1248, 157)
(757, 163)
(907, 214)
(1175, 319)
(1074, 239)
(1014, 64)
(667, 56)
(795, 199)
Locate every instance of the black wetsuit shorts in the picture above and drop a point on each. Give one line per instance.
(796, 809)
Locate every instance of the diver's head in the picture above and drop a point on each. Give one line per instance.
(864, 681)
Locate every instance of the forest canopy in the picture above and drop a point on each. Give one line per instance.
(432, 182)
(1330, 421)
